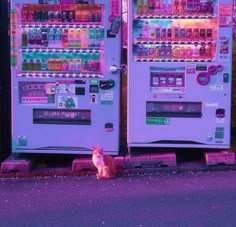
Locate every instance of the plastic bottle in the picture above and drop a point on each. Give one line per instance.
(24, 13)
(98, 13)
(31, 37)
(182, 53)
(208, 52)
(139, 7)
(196, 8)
(38, 38)
(157, 53)
(91, 32)
(97, 37)
(145, 52)
(151, 52)
(195, 36)
(190, 7)
(84, 38)
(71, 37)
(183, 8)
(31, 13)
(145, 7)
(65, 37)
(202, 51)
(58, 64)
(169, 34)
(44, 64)
(158, 34)
(189, 53)
(44, 40)
(163, 52)
(51, 37)
(202, 34)
(175, 7)
(152, 35)
(182, 34)
(78, 65)
(139, 51)
(209, 34)
(164, 10)
(168, 52)
(77, 37)
(163, 34)
(195, 52)
(31, 64)
(92, 14)
(189, 34)
(158, 7)
(152, 6)
(37, 65)
(203, 7)
(24, 39)
(24, 65)
(71, 65)
(78, 11)
(64, 65)
(176, 34)
(145, 31)
(84, 14)
(175, 53)
(58, 37)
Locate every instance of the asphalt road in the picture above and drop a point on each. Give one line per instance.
(176, 199)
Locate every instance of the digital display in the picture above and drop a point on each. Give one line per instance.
(62, 116)
(173, 109)
(201, 68)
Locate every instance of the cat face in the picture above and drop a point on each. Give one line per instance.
(98, 151)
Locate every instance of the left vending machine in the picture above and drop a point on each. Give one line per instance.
(65, 76)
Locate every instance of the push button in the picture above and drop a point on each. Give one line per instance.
(226, 78)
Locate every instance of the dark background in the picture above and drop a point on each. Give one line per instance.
(5, 81)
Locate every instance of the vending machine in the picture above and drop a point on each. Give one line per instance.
(65, 57)
(179, 73)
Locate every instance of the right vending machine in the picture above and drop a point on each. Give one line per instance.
(179, 73)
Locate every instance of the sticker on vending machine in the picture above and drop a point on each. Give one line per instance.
(107, 97)
(225, 12)
(65, 87)
(93, 98)
(224, 48)
(67, 102)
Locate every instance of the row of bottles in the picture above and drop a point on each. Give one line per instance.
(61, 13)
(61, 62)
(175, 52)
(175, 7)
(62, 37)
(176, 34)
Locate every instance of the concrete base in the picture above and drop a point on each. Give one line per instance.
(120, 163)
(151, 160)
(165, 159)
(221, 157)
(82, 164)
(15, 165)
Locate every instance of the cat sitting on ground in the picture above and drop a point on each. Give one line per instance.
(104, 163)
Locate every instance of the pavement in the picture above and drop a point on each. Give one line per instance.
(189, 199)
(43, 165)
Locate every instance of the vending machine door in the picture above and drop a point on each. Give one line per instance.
(179, 73)
(65, 98)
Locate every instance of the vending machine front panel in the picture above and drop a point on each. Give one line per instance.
(65, 98)
(179, 73)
